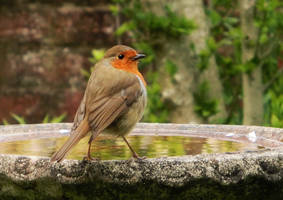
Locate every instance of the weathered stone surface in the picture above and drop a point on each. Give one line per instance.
(253, 175)
(171, 171)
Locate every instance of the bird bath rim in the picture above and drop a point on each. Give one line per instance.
(267, 137)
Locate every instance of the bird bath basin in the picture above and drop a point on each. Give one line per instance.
(190, 161)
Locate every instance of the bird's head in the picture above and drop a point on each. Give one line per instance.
(125, 58)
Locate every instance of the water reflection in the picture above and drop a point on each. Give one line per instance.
(108, 147)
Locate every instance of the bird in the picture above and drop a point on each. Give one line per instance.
(113, 102)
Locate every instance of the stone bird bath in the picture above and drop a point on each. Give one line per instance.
(256, 174)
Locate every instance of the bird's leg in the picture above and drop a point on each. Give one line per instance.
(88, 152)
(88, 157)
(135, 155)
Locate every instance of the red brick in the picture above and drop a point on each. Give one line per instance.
(68, 24)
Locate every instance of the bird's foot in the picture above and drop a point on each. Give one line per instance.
(88, 158)
(136, 156)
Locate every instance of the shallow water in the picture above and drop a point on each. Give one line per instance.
(108, 147)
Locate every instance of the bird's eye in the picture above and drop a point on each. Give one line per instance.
(121, 56)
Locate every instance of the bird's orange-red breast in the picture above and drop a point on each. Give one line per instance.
(113, 102)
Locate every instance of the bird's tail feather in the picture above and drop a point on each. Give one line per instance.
(74, 138)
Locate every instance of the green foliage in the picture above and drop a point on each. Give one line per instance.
(114, 9)
(274, 105)
(124, 28)
(5, 122)
(97, 55)
(156, 110)
(277, 114)
(171, 68)
(225, 33)
(269, 51)
(214, 16)
(18, 118)
(150, 27)
(205, 107)
(55, 119)
(228, 37)
(205, 54)
(204, 57)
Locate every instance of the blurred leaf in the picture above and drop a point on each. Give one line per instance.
(171, 68)
(214, 17)
(204, 57)
(263, 38)
(156, 110)
(127, 26)
(240, 68)
(85, 73)
(205, 106)
(245, 67)
(5, 122)
(114, 9)
(276, 122)
(97, 55)
(231, 20)
(19, 119)
(58, 119)
(46, 119)
(211, 44)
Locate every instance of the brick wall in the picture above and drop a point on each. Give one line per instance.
(43, 47)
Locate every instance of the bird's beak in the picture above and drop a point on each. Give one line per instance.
(138, 56)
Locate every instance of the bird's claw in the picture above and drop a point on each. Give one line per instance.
(139, 157)
(87, 158)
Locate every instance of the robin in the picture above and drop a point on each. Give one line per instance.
(113, 102)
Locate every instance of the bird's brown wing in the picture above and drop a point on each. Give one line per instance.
(80, 114)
